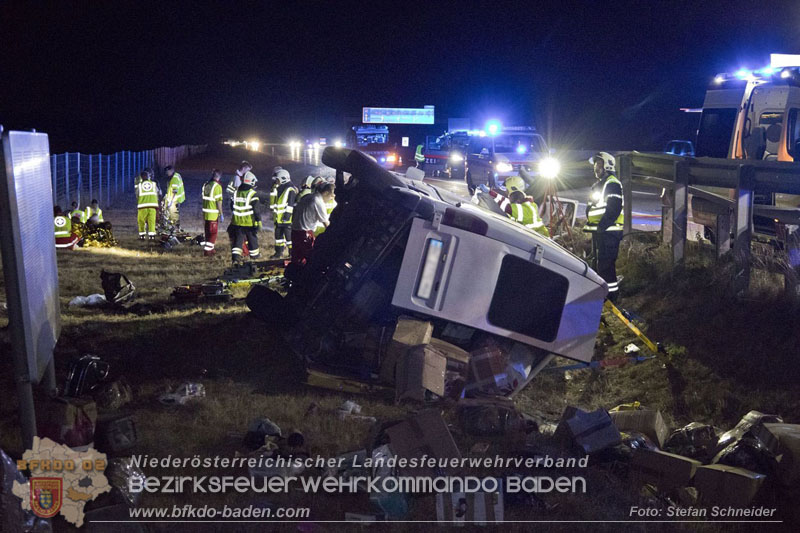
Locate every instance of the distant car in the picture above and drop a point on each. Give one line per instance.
(492, 159)
(684, 148)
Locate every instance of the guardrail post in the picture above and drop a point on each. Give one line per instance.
(627, 192)
(743, 217)
(680, 212)
(66, 177)
(723, 241)
(666, 217)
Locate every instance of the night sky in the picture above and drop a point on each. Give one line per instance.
(102, 76)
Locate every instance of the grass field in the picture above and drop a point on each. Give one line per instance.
(728, 356)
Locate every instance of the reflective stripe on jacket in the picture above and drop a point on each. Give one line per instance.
(284, 204)
(212, 193)
(146, 194)
(597, 207)
(175, 189)
(243, 208)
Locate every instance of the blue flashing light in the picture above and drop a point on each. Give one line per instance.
(766, 71)
(493, 127)
(521, 149)
(383, 160)
(743, 73)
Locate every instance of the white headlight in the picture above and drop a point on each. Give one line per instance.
(549, 167)
(455, 157)
(503, 167)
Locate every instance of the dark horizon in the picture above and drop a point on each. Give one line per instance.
(128, 75)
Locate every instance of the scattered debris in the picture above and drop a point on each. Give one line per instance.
(115, 291)
(727, 485)
(88, 301)
(783, 442)
(69, 421)
(183, 394)
(115, 433)
(646, 421)
(478, 508)
(588, 431)
(422, 434)
(258, 430)
(85, 375)
(694, 440)
(420, 374)
(664, 470)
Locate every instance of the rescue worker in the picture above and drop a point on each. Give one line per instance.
(605, 219)
(77, 215)
(175, 196)
(517, 206)
(93, 214)
(65, 239)
(246, 221)
(212, 211)
(273, 187)
(236, 180)
(285, 195)
(307, 187)
(310, 212)
(330, 205)
(146, 203)
(419, 157)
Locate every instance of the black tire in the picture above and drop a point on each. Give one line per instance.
(470, 184)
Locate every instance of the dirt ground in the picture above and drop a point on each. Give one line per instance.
(726, 357)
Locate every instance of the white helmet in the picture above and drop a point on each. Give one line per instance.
(309, 182)
(250, 179)
(609, 163)
(282, 176)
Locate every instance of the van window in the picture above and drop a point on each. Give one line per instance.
(714, 135)
(479, 143)
(528, 299)
(793, 134)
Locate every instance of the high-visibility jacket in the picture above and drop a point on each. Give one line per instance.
(244, 208)
(63, 226)
(525, 213)
(212, 193)
(91, 212)
(329, 207)
(77, 213)
(175, 189)
(284, 203)
(596, 210)
(273, 196)
(418, 155)
(302, 193)
(235, 183)
(147, 194)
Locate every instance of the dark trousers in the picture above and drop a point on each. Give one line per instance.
(605, 248)
(283, 237)
(241, 235)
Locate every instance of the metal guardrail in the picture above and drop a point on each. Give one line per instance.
(681, 176)
(83, 177)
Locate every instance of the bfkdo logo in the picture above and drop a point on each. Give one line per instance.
(46, 496)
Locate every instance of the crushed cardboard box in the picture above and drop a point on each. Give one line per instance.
(665, 470)
(727, 485)
(487, 369)
(425, 433)
(589, 431)
(451, 351)
(421, 369)
(783, 442)
(409, 332)
(648, 422)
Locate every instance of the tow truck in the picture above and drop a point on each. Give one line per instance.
(752, 114)
(499, 154)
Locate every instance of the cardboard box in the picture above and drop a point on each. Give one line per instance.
(421, 369)
(451, 351)
(478, 508)
(783, 441)
(666, 471)
(487, 369)
(408, 332)
(589, 431)
(422, 434)
(651, 423)
(727, 485)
